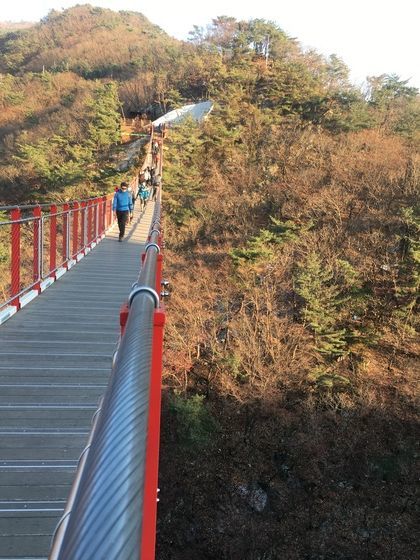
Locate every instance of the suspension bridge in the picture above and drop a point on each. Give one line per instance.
(80, 379)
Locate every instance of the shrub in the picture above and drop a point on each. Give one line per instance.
(195, 424)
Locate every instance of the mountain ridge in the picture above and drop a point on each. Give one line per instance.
(85, 39)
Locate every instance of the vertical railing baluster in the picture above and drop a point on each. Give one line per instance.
(41, 247)
(75, 249)
(15, 216)
(37, 248)
(103, 230)
(97, 219)
(66, 224)
(53, 239)
(89, 224)
(83, 226)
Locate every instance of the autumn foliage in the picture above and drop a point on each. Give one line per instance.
(293, 254)
(292, 247)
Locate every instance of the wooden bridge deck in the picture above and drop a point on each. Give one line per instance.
(55, 359)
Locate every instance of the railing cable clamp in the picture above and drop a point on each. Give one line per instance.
(152, 245)
(146, 289)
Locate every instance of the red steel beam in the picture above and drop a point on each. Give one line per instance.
(148, 540)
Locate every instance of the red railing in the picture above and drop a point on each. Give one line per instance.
(39, 243)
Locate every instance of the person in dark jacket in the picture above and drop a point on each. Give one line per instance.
(122, 207)
(156, 185)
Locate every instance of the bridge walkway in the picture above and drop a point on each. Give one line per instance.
(55, 360)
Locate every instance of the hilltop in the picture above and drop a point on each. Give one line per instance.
(92, 42)
(53, 76)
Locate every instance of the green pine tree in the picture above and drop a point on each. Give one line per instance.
(322, 301)
(104, 126)
(408, 281)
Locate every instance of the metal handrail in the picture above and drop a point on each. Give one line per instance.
(49, 204)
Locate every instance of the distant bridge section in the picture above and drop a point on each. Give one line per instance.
(197, 111)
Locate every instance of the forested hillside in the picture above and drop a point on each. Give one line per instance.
(292, 228)
(93, 42)
(290, 422)
(65, 85)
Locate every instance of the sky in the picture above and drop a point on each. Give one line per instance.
(373, 37)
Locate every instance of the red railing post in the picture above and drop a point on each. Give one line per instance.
(148, 537)
(75, 248)
(37, 266)
(95, 220)
(111, 212)
(83, 226)
(89, 223)
(15, 260)
(99, 213)
(66, 222)
(99, 217)
(104, 201)
(53, 239)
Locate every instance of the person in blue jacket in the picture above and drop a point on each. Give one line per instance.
(122, 207)
(143, 194)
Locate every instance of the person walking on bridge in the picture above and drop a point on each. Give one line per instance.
(155, 185)
(146, 175)
(144, 195)
(122, 207)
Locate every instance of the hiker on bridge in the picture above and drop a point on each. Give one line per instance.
(143, 194)
(122, 207)
(146, 176)
(155, 185)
